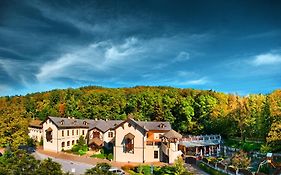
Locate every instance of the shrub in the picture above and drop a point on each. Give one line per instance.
(210, 170)
(144, 169)
(265, 149)
(100, 156)
(128, 167)
(110, 156)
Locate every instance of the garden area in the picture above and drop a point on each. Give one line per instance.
(177, 168)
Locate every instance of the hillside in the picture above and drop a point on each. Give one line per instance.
(190, 111)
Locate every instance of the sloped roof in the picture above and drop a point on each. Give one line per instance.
(35, 123)
(105, 125)
(162, 126)
(96, 141)
(102, 125)
(70, 122)
(148, 125)
(172, 134)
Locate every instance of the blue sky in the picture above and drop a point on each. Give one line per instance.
(228, 46)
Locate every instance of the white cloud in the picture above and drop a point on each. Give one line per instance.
(95, 57)
(267, 59)
(182, 56)
(200, 81)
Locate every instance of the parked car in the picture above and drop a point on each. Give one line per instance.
(117, 171)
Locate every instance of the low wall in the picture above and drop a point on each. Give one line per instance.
(226, 169)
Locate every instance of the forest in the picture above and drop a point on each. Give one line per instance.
(253, 117)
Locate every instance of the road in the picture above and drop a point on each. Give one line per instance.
(76, 168)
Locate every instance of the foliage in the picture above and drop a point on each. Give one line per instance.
(177, 169)
(19, 162)
(274, 136)
(100, 169)
(240, 160)
(210, 170)
(81, 147)
(100, 156)
(110, 156)
(189, 111)
(104, 154)
(49, 167)
(265, 149)
(127, 167)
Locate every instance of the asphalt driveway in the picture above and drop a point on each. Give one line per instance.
(74, 167)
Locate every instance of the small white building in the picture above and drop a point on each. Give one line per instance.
(35, 130)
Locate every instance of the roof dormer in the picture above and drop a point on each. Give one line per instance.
(62, 122)
(161, 125)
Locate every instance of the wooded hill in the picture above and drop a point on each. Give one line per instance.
(190, 111)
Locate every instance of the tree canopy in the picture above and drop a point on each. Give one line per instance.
(189, 111)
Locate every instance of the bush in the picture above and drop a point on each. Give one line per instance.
(210, 170)
(144, 169)
(82, 152)
(100, 156)
(128, 167)
(110, 156)
(265, 149)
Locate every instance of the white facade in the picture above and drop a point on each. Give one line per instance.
(131, 141)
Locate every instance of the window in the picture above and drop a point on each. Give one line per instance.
(62, 144)
(155, 154)
(77, 132)
(83, 132)
(129, 145)
(110, 134)
(73, 132)
(76, 141)
(149, 143)
(62, 122)
(96, 134)
(62, 133)
(73, 142)
(67, 132)
(68, 143)
(49, 135)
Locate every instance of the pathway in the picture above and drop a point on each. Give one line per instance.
(195, 170)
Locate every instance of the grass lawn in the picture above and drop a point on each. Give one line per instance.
(210, 170)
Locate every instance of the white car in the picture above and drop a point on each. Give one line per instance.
(117, 171)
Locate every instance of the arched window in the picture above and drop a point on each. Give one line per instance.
(129, 143)
(68, 143)
(73, 142)
(96, 134)
(49, 135)
(62, 144)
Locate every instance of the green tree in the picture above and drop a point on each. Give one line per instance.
(100, 169)
(240, 160)
(49, 167)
